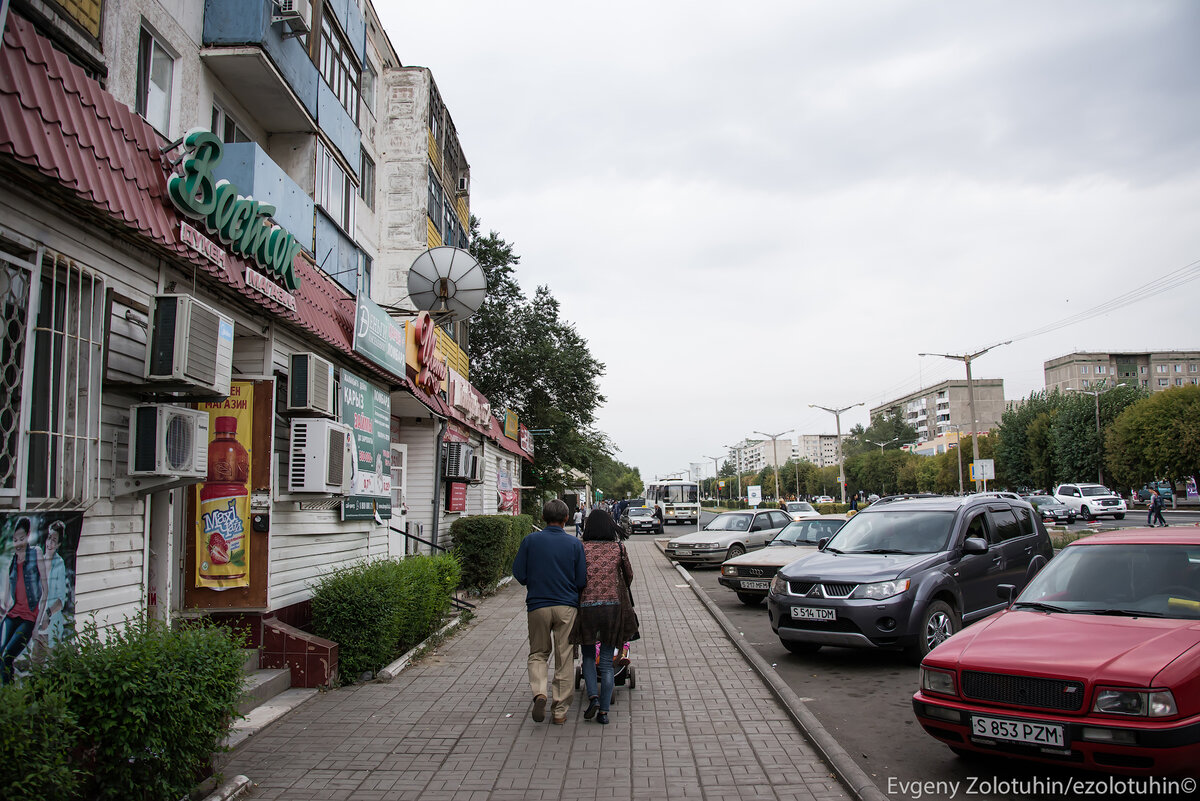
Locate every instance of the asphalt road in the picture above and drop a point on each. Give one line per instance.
(864, 699)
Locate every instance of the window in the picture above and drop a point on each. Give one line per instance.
(369, 77)
(1086, 384)
(51, 453)
(1179, 382)
(366, 175)
(1191, 368)
(339, 68)
(1179, 368)
(434, 201)
(1145, 383)
(1160, 368)
(365, 263)
(335, 191)
(156, 70)
(225, 128)
(1007, 527)
(1142, 369)
(1100, 369)
(1083, 370)
(1163, 382)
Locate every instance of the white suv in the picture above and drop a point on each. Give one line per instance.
(1091, 500)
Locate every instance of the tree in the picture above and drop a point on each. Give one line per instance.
(888, 428)
(1156, 437)
(617, 479)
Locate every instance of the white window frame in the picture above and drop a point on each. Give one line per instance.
(145, 86)
(222, 119)
(334, 191)
(1164, 382)
(1083, 369)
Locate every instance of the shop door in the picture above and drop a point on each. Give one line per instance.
(398, 544)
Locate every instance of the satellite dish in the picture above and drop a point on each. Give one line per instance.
(447, 280)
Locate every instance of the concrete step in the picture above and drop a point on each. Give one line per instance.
(249, 660)
(266, 713)
(262, 685)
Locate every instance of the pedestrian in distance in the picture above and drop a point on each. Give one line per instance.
(550, 564)
(854, 502)
(1155, 517)
(578, 522)
(606, 615)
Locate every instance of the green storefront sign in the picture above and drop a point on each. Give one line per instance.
(378, 337)
(367, 410)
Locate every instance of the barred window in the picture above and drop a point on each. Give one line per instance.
(52, 351)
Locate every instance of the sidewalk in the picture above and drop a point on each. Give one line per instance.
(701, 724)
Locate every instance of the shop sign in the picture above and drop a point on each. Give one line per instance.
(268, 288)
(525, 440)
(367, 410)
(422, 354)
(456, 434)
(377, 336)
(510, 424)
(456, 496)
(201, 244)
(241, 223)
(468, 400)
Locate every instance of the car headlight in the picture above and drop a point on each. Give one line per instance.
(706, 546)
(779, 585)
(881, 589)
(728, 570)
(937, 681)
(672, 544)
(1143, 703)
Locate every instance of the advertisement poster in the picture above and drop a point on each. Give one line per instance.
(456, 497)
(507, 503)
(754, 495)
(223, 500)
(37, 585)
(368, 411)
(378, 337)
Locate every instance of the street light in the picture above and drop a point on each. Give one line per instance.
(1096, 393)
(738, 449)
(716, 472)
(775, 454)
(837, 415)
(882, 445)
(967, 359)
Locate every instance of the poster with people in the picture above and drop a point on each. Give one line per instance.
(37, 586)
(507, 496)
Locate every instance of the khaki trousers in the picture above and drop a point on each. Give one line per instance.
(547, 624)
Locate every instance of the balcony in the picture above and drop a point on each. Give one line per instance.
(271, 76)
(249, 167)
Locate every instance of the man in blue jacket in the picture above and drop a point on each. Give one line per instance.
(551, 565)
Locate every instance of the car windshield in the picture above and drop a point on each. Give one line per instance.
(807, 532)
(1039, 501)
(800, 506)
(894, 531)
(1092, 492)
(1133, 580)
(730, 521)
(640, 512)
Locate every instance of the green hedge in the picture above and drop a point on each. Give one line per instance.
(486, 546)
(134, 714)
(375, 611)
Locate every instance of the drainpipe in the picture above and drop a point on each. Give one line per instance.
(437, 481)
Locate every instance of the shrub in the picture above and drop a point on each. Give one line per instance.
(834, 508)
(37, 733)
(152, 704)
(376, 611)
(486, 546)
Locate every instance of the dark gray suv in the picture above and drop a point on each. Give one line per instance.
(907, 573)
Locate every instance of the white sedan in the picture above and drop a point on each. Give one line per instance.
(749, 575)
(728, 535)
(799, 510)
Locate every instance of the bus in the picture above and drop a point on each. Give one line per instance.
(677, 500)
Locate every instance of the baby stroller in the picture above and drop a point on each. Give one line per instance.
(623, 672)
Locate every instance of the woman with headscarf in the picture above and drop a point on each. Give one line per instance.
(606, 613)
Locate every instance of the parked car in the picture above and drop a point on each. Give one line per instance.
(1165, 490)
(639, 518)
(824, 499)
(750, 574)
(1051, 509)
(728, 535)
(1090, 501)
(1094, 665)
(800, 510)
(907, 573)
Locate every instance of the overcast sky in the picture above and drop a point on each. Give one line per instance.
(749, 207)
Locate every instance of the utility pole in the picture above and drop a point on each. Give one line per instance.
(967, 359)
(775, 454)
(738, 449)
(837, 415)
(716, 476)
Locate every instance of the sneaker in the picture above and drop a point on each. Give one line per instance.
(593, 707)
(602, 718)
(539, 708)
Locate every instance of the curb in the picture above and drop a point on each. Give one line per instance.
(391, 671)
(232, 788)
(853, 777)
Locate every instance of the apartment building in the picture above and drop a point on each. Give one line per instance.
(820, 449)
(1153, 370)
(944, 407)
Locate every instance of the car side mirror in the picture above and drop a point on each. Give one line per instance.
(1006, 592)
(975, 545)
(821, 543)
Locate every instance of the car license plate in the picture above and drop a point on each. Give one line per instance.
(756, 585)
(1018, 731)
(683, 553)
(813, 613)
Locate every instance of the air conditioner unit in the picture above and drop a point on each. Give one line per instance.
(296, 13)
(476, 475)
(191, 347)
(167, 440)
(311, 387)
(457, 463)
(320, 458)
(464, 184)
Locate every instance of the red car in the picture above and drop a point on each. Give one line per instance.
(1095, 665)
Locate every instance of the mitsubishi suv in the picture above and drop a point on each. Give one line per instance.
(907, 573)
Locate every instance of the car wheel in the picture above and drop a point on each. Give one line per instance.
(1087, 514)
(1119, 516)
(748, 599)
(801, 648)
(734, 550)
(938, 624)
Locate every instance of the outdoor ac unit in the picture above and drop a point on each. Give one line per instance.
(191, 346)
(311, 387)
(296, 13)
(464, 184)
(476, 475)
(458, 460)
(320, 457)
(167, 440)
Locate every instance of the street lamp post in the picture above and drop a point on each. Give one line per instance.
(716, 476)
(967, 359)
(882, 445)
(1096, 393)
(775, 454)
(837, 416)
(738, 450)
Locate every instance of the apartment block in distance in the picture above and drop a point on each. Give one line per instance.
(1155, 371)
(941, 407)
